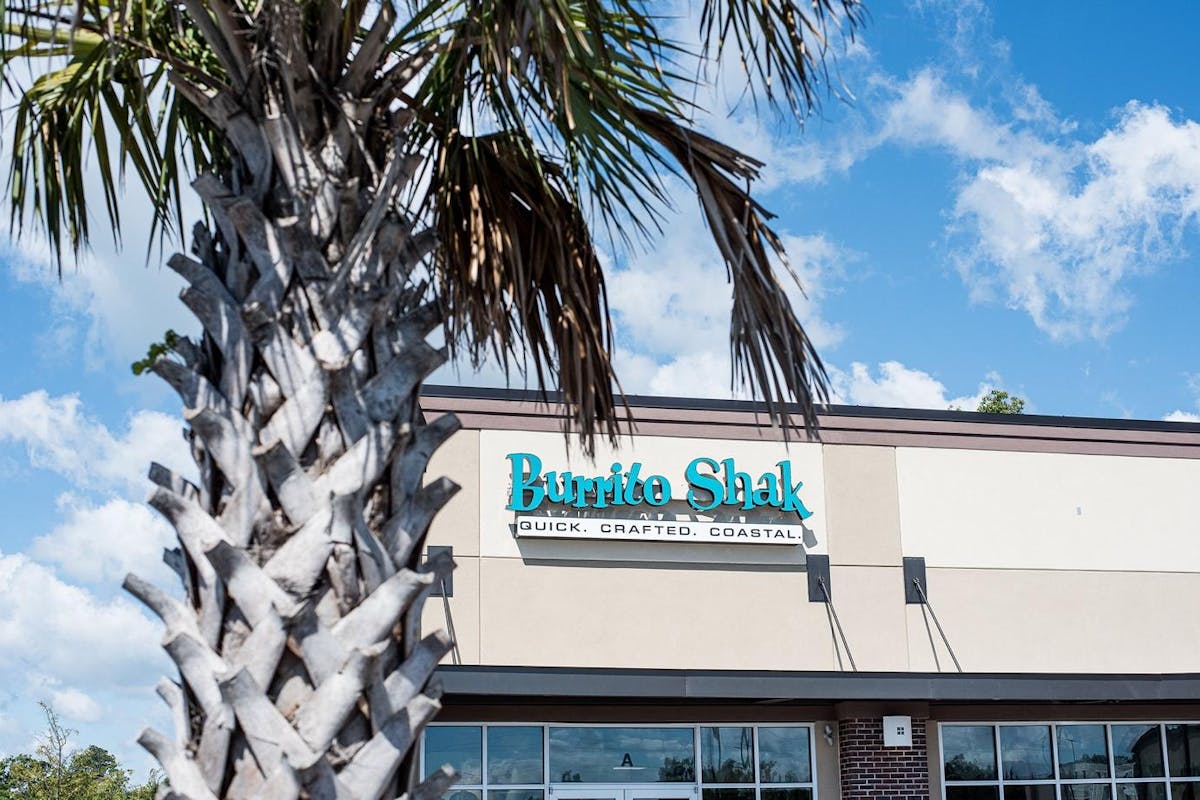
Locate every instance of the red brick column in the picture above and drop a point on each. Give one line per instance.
(871, 771)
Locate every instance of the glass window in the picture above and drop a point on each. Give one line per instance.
(515, 794)
(1079, 761)
(1140, 791)
(970, 752)
(784, 756)
(1037, 791)
(514, 754)
(460, 746)
(787, 794)
(1137, 752)
(1082, 751)
(727, 755)
(1183, 750)
(523, 762)
(1185, 790)
(1025, 753)
(972, 792)
(728, 794)
(621, 755)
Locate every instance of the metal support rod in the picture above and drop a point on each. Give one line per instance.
(455, 657)
(837, 623)
(932, 613)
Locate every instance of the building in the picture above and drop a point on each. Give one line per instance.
(923, 604)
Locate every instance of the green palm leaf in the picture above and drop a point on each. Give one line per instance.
(581, 103)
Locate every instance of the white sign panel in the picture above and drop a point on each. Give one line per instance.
(504, 502)
(661, 530)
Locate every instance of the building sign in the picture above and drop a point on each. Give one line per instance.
(721, 504)
(666, 528)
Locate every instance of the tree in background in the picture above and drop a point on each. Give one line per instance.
(371, 174)
(55, 772)
(999, 402)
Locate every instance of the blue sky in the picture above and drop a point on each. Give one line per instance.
(1009, 200)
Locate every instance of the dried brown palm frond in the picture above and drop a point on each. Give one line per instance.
(565, 75)
(769, 346)
(518, 273)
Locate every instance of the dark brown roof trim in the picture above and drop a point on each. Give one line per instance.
(463, 682)
(501, 409)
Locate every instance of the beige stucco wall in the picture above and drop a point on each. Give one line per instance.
(829, 778)
(1036, 562)
(1058, 511)
(1061, 621)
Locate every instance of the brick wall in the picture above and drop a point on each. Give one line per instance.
(870, 771)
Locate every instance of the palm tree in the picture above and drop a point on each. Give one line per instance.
(370, 175)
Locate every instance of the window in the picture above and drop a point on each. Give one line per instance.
(1071, 761)
(522, 762)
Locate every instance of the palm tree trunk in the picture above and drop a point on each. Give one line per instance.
(301, 667)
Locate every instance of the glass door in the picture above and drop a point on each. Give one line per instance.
(662, 793)
(620, 793)
(598, 793)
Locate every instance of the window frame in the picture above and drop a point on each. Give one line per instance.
(696, 786)
(1112, 781)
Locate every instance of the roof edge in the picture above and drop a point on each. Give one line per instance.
(465, 681)
(830, 410)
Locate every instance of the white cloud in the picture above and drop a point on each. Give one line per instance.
(101, 544)
(703, 373)
(49, 627)
(964, 26)
(113, 299)
(67, 632)
(76, 705)
(59, 436)
(1043, 220)
(1061, 238)
(898, 386)
(926, 113)
(1179, 415)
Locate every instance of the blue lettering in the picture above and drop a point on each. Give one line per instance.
(588, 492)
(560, 489)
(711, 483)
(703, 485)
(737, 484)
(790, 492)
(632, 482)
(523, 463)
(657, 490)
(618, 488)
(767, 493)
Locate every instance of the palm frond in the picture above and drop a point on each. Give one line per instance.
(518, 273)
(102, 98)
(545, 123)
(594, 85)
(780, 44)
(770, 349)
(567, 75)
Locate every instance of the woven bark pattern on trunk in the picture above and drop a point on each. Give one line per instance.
(302, 672)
